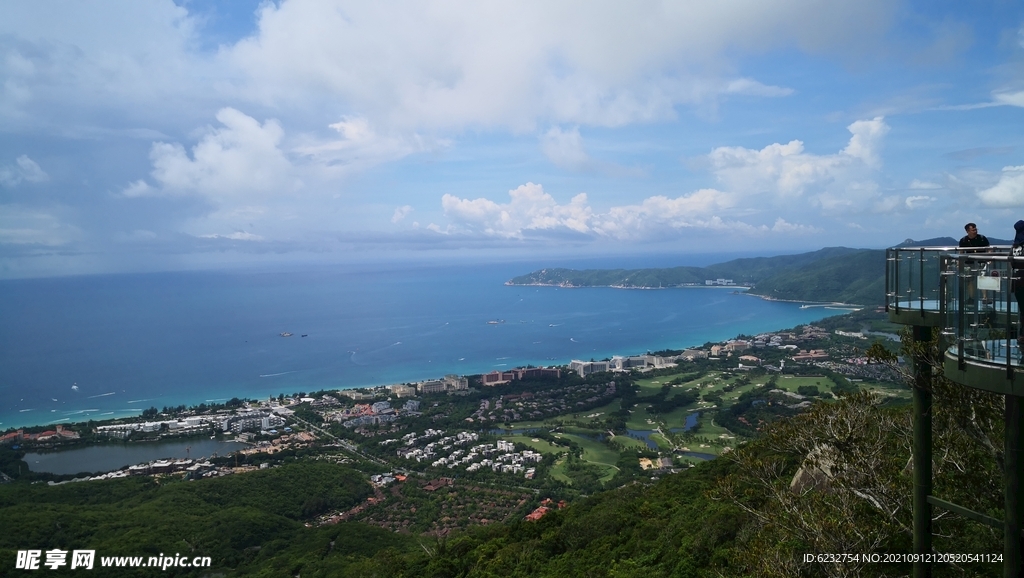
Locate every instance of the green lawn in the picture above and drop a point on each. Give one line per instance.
(536, 444)
(630, 444)
(593, 451)
(596, 453)
(792, 382)
(558, 471)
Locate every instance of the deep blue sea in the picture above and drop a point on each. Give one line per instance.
(75, 348)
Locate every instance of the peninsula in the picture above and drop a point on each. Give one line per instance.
(833, 274)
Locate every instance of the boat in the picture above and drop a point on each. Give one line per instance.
(496, 322)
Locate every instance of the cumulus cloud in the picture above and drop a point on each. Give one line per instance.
(533, 212)
(240, 159)
(659, 214)
(24, 169)
(530, 209)
(838, 181)
(1008, 192)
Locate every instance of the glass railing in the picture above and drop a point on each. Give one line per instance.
(966, 293)
(981, 320)
(913, 278)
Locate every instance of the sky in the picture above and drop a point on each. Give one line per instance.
(160, 135)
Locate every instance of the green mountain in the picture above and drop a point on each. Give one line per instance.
(833, 274)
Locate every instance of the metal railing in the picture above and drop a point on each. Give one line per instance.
(967, 293)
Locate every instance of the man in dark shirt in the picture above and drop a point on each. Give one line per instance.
(972, 238)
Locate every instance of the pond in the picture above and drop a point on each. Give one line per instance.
(110, 457)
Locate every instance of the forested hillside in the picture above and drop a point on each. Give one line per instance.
(834, 274)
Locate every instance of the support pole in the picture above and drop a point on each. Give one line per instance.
(1012, 477)
(922, 453)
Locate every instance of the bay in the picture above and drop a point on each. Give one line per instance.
(97, 347)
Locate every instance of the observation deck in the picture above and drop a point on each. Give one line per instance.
(968, 295)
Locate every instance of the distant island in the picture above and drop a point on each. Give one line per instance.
(833, 274)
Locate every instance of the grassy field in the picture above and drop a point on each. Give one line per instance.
(792, 382)
(640, 419)
(542, 446)
(558, 471)
(629, 443)
(596, 453)
(676, 418)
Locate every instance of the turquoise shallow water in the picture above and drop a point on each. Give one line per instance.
(76, 348)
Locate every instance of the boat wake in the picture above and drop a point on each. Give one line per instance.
(277, 374)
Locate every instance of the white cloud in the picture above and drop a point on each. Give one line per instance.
(1008, 192)
(530, 209)
(919, 201)
(401, 213)
(425, 65)
(139, 188)
(866, 141)
(24, 169)
(781, 226)
(361, 146)
(659, 214)
(241, 158)
(923, 185)
(838, 181)
(236, 236)
(751, 87)
(1010, 98)
(531, 212)
(63, 63)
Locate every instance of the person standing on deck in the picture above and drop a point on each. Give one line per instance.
(972, 240)
(1017, 275)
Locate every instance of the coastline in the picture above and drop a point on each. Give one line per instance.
(227, 356)
(807, 304)
(571, 286)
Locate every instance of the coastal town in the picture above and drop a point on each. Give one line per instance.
(447, 454)
(586, 424)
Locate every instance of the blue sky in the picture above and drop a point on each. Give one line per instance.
(158, 135)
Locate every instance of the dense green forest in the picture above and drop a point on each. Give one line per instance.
(834, 274)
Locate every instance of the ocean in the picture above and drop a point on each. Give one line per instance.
(104, 346)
